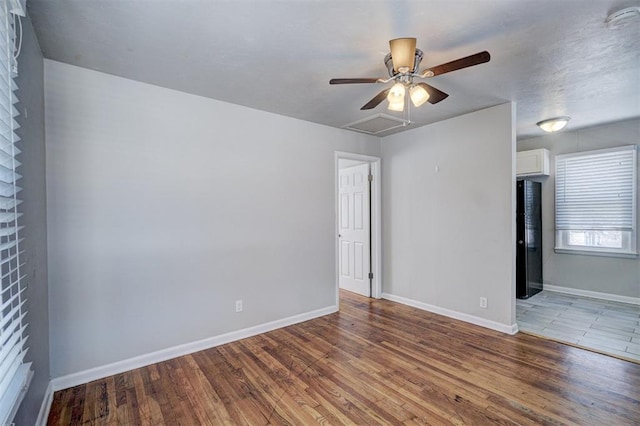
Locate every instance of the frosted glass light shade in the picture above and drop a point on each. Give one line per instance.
(418, 95)
(396, 93)
(553, 124)
(403, 54)
(396, 106)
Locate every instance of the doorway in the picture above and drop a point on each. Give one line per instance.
(358, 225)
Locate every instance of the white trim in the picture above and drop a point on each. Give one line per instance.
(118, 367)
(43, 414)
(592, 294)
(493, 325)
(594, 252)
(376, 221)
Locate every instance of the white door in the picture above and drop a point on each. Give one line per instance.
(353, 229)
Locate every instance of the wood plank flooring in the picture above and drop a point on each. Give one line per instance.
(604, 326)
(374, 362)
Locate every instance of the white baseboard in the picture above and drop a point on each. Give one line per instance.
(592, 294)
(493, 325)
(118, 367)
(43, 414)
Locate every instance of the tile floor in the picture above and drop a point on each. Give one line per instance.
(608, 327)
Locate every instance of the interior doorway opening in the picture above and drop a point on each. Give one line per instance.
(358, 230)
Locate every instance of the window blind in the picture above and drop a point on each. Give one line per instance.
(595, 190)
(14, 374)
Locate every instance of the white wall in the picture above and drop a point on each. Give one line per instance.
(164, 208)
(449, 235)
(610, 275)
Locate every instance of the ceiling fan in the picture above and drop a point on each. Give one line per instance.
(402, 64)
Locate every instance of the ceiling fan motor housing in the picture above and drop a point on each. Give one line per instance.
(388, 61)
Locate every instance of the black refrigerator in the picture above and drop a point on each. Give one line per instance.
(529, 239)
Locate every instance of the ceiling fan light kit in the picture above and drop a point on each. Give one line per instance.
(396, 97)
(418, 95)
(396, 94)
(553, 124)
(396, 106)
(402, 64)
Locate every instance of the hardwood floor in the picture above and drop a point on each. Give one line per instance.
(374, 362)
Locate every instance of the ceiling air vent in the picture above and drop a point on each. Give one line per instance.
(376, 124)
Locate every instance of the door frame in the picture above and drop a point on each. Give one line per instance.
(376, 222)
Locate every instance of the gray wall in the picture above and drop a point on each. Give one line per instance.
(593, 273)
(31, 95)
(164, 208)
(448, 235)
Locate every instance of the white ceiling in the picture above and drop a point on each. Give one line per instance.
(551, 57)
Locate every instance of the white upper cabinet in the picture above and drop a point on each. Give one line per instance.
(532, 163)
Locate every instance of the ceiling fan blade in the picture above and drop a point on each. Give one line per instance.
(354, 80)
(376, 100)
(435, 95)
(468, 61)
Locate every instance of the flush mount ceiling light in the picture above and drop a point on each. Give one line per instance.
(553, 124)
(622, 14)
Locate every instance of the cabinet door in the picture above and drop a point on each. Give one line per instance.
(532, 163)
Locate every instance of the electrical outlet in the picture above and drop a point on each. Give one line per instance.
(238, 305)
(483, 302)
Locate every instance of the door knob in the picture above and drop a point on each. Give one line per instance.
(520, 241)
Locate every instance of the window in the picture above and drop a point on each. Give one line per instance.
(596, 202)
(14, 373)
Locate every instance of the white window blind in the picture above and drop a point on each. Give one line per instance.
(596, 201)
(14, 374)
